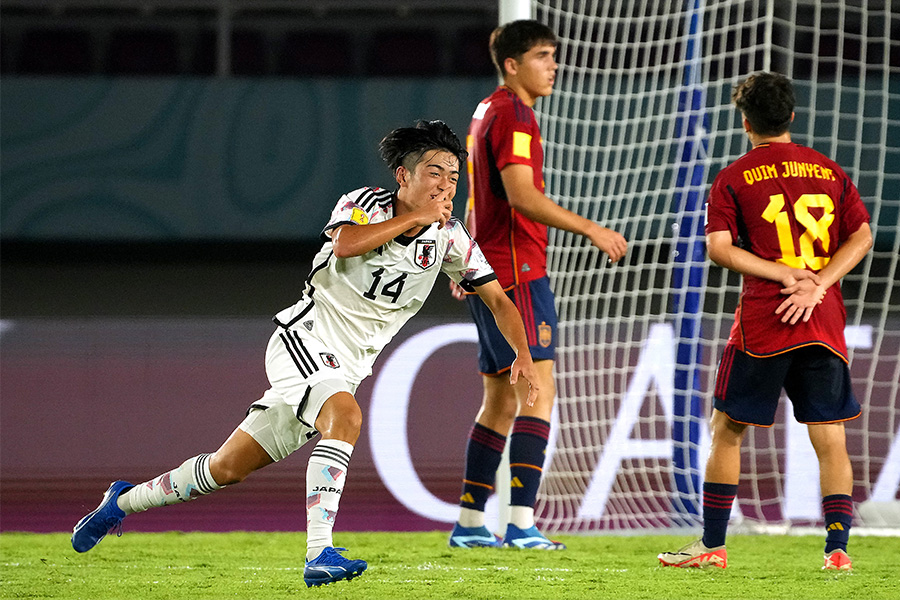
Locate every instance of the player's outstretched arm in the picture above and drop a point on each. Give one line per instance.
(509, 321)
(526, 199)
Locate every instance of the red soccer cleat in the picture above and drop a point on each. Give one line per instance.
(837, 560)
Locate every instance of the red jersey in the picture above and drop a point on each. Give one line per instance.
(790, 204)
(504, 131)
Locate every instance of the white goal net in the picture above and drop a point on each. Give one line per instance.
(638, 126)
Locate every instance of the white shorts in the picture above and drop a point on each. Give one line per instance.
(304, 374)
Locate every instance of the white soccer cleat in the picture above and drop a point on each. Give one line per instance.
(695, 555)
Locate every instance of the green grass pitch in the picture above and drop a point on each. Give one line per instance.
(419, 566)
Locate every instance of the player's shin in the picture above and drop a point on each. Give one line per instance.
(483, 454)
(717, 501)
(190, 480)
(326, 474)
(527, 447)
(838, 509)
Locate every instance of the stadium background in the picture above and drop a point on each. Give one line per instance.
(158, 205)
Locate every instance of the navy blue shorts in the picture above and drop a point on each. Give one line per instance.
(537, 306)
(816, 380)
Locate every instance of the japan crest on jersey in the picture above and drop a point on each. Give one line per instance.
(425, 250)
(329, 359)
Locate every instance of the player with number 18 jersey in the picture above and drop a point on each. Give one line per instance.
(790, 204)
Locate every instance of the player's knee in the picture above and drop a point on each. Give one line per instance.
(547, 394)
(340, 418)
(499, 412)
(351, 421)
(227, 472)
(507, 411)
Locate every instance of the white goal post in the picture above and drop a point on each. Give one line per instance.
(638, 126)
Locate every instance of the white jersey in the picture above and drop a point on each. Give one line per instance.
(356, 305)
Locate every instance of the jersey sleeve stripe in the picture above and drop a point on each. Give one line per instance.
(332, 227)
(370, 197)
(470, 286)
(366, 200)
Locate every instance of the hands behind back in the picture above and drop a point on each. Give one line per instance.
(804, 292)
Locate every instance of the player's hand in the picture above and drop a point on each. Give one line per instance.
(609, 241)
(457, 291)
(437, 210)
(523, 366)
(794, 277)
(803, 296)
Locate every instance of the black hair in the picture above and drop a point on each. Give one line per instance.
(406, 145)
(767, 101)
(514, 39)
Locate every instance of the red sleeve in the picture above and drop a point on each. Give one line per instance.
(721, 207)
(511, 139)
(853, 211)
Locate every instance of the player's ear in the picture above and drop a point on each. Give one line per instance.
(401, 175)
(510, 66)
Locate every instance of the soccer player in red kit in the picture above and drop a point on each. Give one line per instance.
(792, 223)
(508, 215)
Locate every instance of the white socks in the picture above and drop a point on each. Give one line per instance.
(521, 516)
(469, 517)
(325, 477)
(188, 481)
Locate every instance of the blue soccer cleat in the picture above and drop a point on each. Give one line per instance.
(95, 525)
(330, 566)
(473, 537)
(529, 538)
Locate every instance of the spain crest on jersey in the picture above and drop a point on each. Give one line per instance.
(425, 251)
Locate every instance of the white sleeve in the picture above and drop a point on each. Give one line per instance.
(351, 209)
(463, 261)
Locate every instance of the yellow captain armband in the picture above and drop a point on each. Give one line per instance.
(521, 144)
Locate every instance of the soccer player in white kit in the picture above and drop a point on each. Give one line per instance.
(381, 255)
